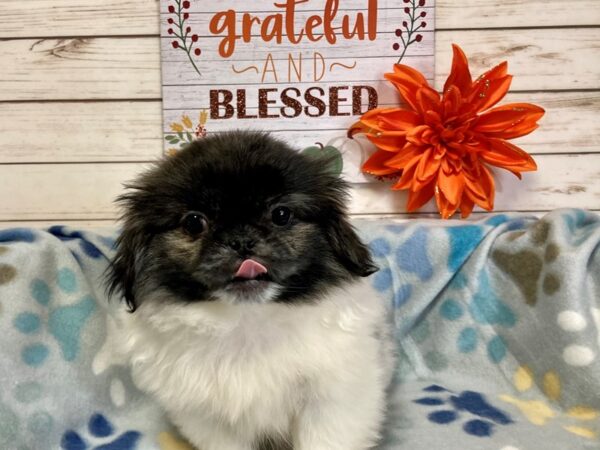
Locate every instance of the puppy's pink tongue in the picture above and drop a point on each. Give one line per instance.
(250, 269)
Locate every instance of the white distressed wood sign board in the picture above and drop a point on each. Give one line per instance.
(304, 70)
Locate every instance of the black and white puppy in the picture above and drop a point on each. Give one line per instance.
(252, 324)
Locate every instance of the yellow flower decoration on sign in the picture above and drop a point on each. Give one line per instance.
(187, 122)
(177, 127)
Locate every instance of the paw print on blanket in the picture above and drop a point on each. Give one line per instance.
(101, 437)
(15, 426)
(485, 308)
(572, 323)
(410, 258)
(540, 411)
(64, 322)
(482, 416)
(88, 247)
(526, 267)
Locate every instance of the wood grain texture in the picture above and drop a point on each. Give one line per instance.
(71, 132)
(81, 18)
(46, 192)
(94, 68)
(131, 131)
(129, 68)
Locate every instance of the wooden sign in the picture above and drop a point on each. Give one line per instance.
(304, 70)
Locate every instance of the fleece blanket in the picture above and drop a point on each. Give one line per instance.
(497, 328)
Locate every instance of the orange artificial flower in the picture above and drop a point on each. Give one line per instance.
(442, 144)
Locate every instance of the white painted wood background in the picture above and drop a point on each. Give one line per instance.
(80, 101)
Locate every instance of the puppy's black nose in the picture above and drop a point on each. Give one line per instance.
(242, 244)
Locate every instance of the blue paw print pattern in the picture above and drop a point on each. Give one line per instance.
(485, 308)
(384, 280)
(463, 240)
(64, 323)
(479, 417)
(101, 437)
(86, 246)
(17, 235)
(410, 257)
(580, 225)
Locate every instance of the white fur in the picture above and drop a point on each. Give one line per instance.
(230, 373)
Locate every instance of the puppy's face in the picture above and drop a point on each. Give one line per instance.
(236, 217)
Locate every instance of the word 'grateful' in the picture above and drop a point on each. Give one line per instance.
(274, 27)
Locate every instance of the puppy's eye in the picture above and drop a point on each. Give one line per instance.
(194, 223)
(281, 215)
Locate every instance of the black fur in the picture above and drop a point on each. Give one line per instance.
(235, 180)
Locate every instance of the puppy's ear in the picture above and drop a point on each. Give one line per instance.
(122, 272)
(349, 250)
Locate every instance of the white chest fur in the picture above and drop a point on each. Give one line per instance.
(253, 366)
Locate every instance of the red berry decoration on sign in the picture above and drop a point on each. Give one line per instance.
(409, 34)
(178, 28)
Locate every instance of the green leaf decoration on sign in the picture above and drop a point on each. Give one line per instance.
(328, 152)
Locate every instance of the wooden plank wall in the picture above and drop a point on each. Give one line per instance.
(80, 101)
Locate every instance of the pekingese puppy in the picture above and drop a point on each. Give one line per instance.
(252, 324)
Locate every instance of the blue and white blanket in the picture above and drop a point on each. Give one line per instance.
(497, 327)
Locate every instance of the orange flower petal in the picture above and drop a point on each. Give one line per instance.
(508, 156)
(387, 143)
(452, 101)
(481, 190)
(408, 73)
(445, 207)
(417, 199)
(501, 117)
(466, 207)
(408, 81)
(473, 185)
(406, 180)
(460, 76)
(428, 100)
(452, 186)
(490, 88)
(399, 119)
(514, 120)
(375, 165)
(403, 157)
(427, 169)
